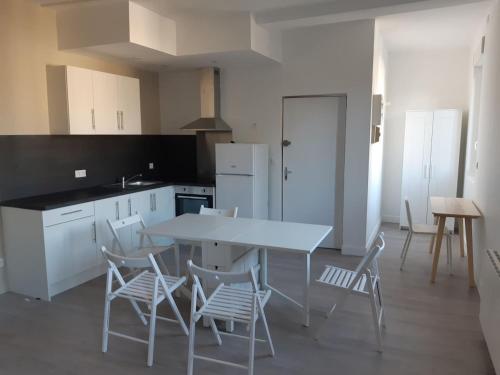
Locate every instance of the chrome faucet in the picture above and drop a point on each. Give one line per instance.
(124, 180)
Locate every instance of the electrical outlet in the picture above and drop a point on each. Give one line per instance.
(2, 263)
(80, 173)
(151, 166)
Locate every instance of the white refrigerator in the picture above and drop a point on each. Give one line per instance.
(242, 178)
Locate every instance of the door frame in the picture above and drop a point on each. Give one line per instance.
(340, 167)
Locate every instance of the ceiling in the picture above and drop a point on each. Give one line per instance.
(452, 27)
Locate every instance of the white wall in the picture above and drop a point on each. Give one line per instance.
(329, 59)
(374, 206)
(487, 197)
(417, 80)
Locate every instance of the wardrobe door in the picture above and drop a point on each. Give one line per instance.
(416, 161)
(445, 154)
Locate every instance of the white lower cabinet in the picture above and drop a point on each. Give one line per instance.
(48, 252)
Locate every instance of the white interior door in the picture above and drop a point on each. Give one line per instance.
(310, 162)
(443, 174)
(416, 165)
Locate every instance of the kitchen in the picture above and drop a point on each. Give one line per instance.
(113, 109)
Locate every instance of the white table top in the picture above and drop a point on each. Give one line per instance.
(302, 238)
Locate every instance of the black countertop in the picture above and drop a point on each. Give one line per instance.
(69, 198)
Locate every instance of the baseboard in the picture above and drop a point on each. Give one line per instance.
(390, 219)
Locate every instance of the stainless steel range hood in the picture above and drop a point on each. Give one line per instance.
(210, 119)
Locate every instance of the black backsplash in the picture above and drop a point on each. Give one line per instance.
(42, 164)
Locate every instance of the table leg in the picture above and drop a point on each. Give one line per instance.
(263, 268)
(433, 240)
(177, 256)
(307, 285)
(470, 251)
(439, 238)
(461, 235)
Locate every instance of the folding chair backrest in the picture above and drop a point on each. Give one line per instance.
(230, 212)
(118, 260)
(217, 277)
(369, 261)
(408, 215)
(116, 226)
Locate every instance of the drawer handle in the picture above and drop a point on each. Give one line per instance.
(71, 212)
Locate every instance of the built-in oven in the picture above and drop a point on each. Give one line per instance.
(189, 199)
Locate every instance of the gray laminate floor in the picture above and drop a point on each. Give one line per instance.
(431, 329)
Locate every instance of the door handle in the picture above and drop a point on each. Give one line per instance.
(286, 143)
(287, 172)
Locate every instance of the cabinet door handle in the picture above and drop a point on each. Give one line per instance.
(154, 195)
(151, 202)
(430, 171)
(121, 116)
(129, 207)
(425, 171)
(117, 210)
(94, 232)
(92, 113)
(118, 119)
(70, 212)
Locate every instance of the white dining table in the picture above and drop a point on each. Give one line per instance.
(266, 235)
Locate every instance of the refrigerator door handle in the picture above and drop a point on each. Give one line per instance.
(228, 174)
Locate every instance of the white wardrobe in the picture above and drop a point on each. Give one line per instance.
(430, 161)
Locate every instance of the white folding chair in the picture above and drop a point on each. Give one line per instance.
(230, 212)
(148, 287)
(363, 281)
(227, 302)
(423, 229)
(143, 249)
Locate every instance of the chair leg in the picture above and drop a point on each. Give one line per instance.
(178, 315)
(431, 245)
(192, 328)
(107, 311)
(105, 328)
(404, 245)
(405, 250)
(251, 349)
(152, 326)
(450, 253)
(266, 327)
(381, 302)
(375, 318)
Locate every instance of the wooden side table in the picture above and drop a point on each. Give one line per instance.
(464, 210)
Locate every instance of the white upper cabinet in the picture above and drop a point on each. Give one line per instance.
(80, 101)
(83, 101)
(105, 103)
(129, 105)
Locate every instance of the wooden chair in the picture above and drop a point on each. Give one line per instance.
(150, 288)
(143, 249)
(227, 302)
(363, 281)
(230, 212)
(423, 229)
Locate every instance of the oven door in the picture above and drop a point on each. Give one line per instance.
(191, 203)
